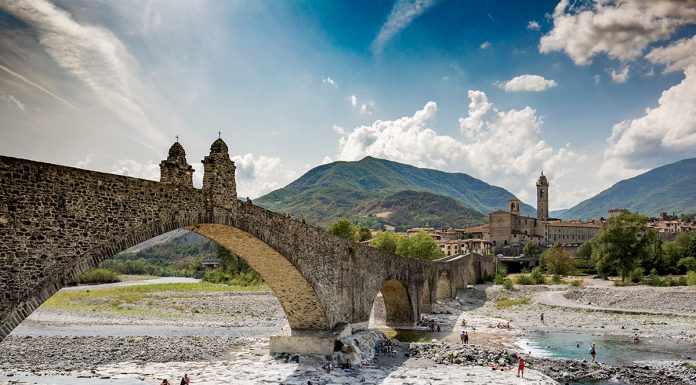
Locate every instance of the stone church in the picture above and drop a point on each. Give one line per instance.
(509, 228)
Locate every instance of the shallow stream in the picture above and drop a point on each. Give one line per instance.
(612, 350)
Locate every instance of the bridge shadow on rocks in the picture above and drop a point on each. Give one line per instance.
(57, 222)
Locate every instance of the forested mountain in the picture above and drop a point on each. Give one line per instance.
(345, 189)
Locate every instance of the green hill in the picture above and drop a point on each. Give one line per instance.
(420, 209)
(670, 188)
(340, 189)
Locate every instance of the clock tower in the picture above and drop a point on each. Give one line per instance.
(542, 198)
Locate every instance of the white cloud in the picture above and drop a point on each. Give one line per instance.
(143, 170)
(258, 175)
(365, 108)
(402, 14)
(11, 100)
(596, 79)
(485, 44)
(663, 134)
(328, 80)
(533, 25)
(534, 83)
(37, 86)
(676, 57)
(501, 146)
(620, 77)
(84, 162)
(93, 55)
(339, 130)
(620, 29)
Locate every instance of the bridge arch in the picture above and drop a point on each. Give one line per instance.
(444, 286)
(397, 302)
(299, 300)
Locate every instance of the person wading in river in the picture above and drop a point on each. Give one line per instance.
(185, 380)
(593, 351)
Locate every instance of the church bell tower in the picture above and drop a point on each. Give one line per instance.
(542, 198)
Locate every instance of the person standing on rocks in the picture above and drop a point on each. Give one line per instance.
(520, 366)
(593, 351)
(542, 318)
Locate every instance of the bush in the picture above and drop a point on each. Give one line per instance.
(558, 260)
(537, 276)
(524, 279)
(98, 276)
(585, 266)
(576, 283)
(691, 278)
(244, 278)
(556, 279)
(636, 275)
(498, 279)
(507, 283)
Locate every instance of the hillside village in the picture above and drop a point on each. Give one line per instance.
(509, 231)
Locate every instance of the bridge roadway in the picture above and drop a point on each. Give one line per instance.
(57, 222)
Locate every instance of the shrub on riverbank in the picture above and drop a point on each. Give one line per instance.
(691, 278)
(244, 278)
(96, 276)
(507, 284)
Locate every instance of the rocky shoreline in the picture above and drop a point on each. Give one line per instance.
(561, 370)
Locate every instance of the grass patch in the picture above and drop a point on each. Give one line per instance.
(407, 335)
(133, 277)
(138, 300)
(505, 303)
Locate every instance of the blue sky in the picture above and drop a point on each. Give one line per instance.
(496, 89)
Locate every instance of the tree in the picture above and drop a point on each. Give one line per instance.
(558, 260)
(585, 250)
(344, 229)
(385, 240)
(364, 233)
(687, 264)
(419, 245)
(531, 250)
(622, 243)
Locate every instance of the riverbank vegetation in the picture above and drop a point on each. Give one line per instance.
(625, 247)
(97, 276)
(139, 300)
(233, 271)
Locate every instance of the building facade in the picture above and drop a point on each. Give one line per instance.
(510, 229)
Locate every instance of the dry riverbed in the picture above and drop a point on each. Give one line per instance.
(229, 329)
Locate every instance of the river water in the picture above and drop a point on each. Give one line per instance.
(612, 350)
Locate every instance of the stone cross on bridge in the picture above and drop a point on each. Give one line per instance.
(57, 222)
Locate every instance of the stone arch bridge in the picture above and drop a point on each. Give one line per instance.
(57, 222)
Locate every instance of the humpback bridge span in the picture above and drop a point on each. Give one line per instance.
(57, 222)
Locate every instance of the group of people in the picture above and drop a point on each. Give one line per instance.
(501, 325)
(185, 380)
(430, 324)
(385, 347)
(464, 337)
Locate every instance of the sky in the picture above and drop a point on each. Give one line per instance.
(590, 92)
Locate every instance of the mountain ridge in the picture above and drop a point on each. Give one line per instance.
(670, 188)
(334, 190)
